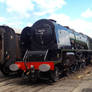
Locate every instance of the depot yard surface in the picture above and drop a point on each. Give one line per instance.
(80, 81)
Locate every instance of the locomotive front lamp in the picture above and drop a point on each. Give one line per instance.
(44, 67)
(13, 67)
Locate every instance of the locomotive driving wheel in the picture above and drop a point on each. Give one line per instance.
(55, 75)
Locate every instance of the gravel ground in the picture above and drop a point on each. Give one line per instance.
(80, 81)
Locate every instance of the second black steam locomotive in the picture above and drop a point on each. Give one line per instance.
(49, 49)
(9, 48)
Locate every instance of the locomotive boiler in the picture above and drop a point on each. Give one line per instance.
(51, 49)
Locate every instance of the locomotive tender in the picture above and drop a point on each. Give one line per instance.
(49, 49)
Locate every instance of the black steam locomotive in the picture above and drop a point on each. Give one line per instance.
(49, 49)
(9, 48)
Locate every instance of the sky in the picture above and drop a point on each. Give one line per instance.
(77, 14)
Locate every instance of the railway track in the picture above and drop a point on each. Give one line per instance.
(65, 84)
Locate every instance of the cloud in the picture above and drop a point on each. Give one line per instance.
(36, 7)
(3, 19)
(29, 24)
(28, 8)
(87, 13)
(78, 25)
(8, 22)
(82, 26)
(17, 30)
(2, 1)
(41, 13)
(15, 25)
(50, 6)
(61, 18)
(20, 6)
